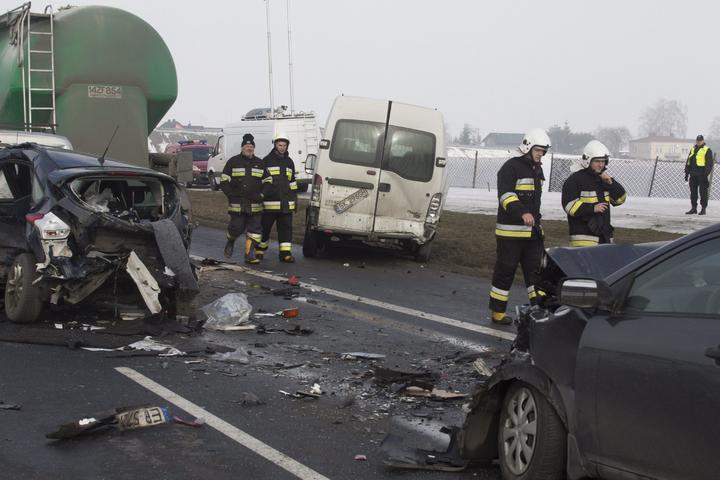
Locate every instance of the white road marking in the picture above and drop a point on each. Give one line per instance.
(377, 303)
(278, 458)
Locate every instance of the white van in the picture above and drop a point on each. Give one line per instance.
(379, 176)
(302, 130)
(13, 137)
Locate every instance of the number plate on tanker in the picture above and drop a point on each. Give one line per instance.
(347, 202)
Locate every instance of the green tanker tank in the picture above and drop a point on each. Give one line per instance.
(111, 69)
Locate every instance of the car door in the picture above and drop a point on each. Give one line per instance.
(654, 377)
(406, 180)
(356, 129)
(17, 186)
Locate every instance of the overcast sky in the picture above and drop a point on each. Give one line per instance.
(498, 65)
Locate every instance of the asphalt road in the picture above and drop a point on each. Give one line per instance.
(418, 318)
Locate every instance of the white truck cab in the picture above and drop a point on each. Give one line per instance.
(302, 130)
(379, 176)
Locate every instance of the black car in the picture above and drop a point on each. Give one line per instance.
(618, 376)
(75, 226)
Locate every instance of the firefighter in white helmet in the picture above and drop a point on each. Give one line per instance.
(518, 232)
(279, 198)
(587, 195)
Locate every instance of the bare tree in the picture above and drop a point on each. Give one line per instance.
(665, 118)
(714, 132)
(615, 138)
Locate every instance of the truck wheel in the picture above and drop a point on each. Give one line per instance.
(422, 254)
(310, 243)
(532, 440)
(23, 300)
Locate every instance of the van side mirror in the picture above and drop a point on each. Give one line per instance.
(585, 293)
(310, 163)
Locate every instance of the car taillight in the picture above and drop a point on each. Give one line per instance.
(315, 194)
(433, 213)
(51, 227)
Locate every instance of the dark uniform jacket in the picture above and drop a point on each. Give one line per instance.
(700, 161)
(279, 185)
(241, 181)
(580, 193)
(519, 185)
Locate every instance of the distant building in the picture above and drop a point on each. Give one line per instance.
(502, 141)
(663, 148)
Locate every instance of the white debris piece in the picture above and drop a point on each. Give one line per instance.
(148, 287)
(227, 311)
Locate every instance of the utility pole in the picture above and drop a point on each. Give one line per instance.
(290, 61)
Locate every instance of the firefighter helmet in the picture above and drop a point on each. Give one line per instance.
(281, 136)
(595, 150)
(537, 137)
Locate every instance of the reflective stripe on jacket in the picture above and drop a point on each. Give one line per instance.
(519, 184)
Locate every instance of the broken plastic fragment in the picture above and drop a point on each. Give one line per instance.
(227, 311)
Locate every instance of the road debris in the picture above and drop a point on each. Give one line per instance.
(398, 455)
(293, 281)
(123, 418)
(361, 458)
(9, 406)
(362, 356)
(248, 399)
(294, 330)
(435, 394)
(227, 311)
(150, 345)
(482, 368)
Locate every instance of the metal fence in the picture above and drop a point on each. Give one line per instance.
(473, 168)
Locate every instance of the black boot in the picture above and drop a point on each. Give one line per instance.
(229, 246)
(692, 211)
(702, 211)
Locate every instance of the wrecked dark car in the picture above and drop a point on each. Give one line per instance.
(617, 375)
(75, 226)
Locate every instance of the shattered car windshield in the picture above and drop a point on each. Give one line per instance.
(139, 199)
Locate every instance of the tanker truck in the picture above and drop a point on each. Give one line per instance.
(88, 73)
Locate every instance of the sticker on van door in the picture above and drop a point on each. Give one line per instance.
(347, 202)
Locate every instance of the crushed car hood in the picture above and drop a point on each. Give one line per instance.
(599, 261)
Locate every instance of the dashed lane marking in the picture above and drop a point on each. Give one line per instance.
(264, 450)
(380, 304)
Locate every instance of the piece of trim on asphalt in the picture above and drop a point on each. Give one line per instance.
(251, 443)
(380, 304)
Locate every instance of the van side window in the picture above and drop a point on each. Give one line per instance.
(356, 142)
(411, 155)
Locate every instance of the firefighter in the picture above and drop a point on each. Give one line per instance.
(698, 169)
(280, 198)
(518, 232)
(587, 195)
(241, 181)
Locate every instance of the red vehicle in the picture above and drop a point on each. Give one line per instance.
(200, 153)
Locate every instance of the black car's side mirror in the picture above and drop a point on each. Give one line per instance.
(586, 293)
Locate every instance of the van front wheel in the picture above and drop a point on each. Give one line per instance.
(422, 254)
(310, 243)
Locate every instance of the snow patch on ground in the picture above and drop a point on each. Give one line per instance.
(664, 214)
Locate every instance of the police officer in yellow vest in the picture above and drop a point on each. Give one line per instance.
(698, 169)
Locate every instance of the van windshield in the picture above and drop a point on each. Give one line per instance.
(356, 142)
(412, 154)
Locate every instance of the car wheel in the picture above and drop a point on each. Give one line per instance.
(310, 243)
(532, 440)
(422, 254)
(23, 299)
(214, 185)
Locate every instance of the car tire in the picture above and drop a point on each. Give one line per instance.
(23, 298)
(310, 243)
(214, 185)
(422, 253)
(532, 441)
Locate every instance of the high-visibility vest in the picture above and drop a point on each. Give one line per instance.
(699, 155)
